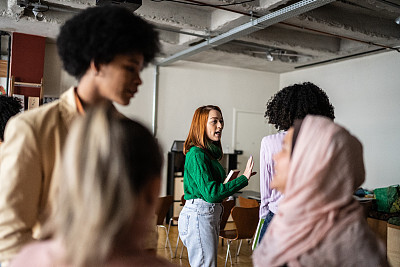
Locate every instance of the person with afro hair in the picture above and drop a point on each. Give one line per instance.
(9, 107)
(287, 105)
(105, 48)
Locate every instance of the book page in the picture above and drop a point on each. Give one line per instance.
(233, 174)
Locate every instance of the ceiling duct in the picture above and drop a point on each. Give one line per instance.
(247, 28)
(132, 5)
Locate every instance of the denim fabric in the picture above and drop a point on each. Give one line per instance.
(198, 227)
(268, 219)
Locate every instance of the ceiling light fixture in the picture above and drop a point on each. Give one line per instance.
(269, 56)
(397, 20)
(38, 15)
(38, 9)
(36, 6)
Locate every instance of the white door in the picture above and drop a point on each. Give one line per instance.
(249, 128)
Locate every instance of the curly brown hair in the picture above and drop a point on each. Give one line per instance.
(100, 34)
(9, 106)
(295, 102)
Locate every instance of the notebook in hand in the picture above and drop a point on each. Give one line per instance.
(233, 174)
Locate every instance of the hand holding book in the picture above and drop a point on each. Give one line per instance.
(233, 174)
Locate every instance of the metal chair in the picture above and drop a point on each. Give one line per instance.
(176, 218)
(246, 203)
(228, 206)
(163, 207)
(246, 220)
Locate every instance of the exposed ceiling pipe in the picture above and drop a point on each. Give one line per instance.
(254, 25)
(181, 32)
(340, 36)
(216, 6)
(339, 58)
(247, 28)
(389, 3)
(302, 27)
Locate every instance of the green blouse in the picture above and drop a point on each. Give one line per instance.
(204, 177)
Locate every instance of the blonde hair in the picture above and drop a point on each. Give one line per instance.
(108, 159)
(197, 134)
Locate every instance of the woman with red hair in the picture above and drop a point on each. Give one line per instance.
(204, 186)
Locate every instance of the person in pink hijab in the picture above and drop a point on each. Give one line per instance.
(319, 223)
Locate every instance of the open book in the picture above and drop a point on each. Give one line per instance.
(233, 174)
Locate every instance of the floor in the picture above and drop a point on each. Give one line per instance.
(243, 260)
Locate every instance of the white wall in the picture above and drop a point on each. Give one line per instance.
(364, 91)
(366, 95)
(185, 86)
(141, 106)
(55, 79)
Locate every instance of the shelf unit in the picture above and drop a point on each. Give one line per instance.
(3, 68)
(14, 84)
(176, 164)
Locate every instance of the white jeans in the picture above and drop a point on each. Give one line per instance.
(198, 227)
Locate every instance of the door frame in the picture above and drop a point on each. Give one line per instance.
(235, 116)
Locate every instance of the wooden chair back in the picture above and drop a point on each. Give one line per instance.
(248, 203)
(164, 203)
(183, 200)
(228, 205)
(246, 221)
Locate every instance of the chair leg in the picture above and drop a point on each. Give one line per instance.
(169, 227)
(240, 245)
(230, 255)
(176, 248)
(183, 246)
(177, 243)
(252, 242)
(167, 239)
(228, 252)
(237, 247)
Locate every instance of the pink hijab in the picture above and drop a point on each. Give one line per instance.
(325, 169)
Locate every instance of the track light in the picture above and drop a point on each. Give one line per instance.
(269, 56)
(36, 6)
(397, 20)
(38, 14)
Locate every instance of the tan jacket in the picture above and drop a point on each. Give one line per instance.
(32, 147)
